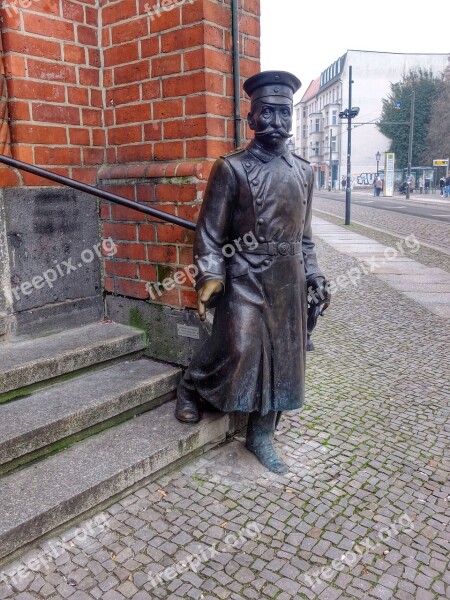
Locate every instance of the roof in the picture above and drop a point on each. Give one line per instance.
(312, 90)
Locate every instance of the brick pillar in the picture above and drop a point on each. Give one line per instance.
(169, 110)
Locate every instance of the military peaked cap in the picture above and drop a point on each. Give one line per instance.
(276, 87)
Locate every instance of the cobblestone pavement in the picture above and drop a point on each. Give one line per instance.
(427, 256)
(364, 513)
(427, 230)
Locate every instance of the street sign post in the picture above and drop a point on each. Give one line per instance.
(389, 174)
(441, 162)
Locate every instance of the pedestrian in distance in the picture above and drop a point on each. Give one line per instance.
(447, 186)
(442, 186)
(344, 182)
(378, 186)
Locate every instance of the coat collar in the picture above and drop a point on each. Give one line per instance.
(266, 156)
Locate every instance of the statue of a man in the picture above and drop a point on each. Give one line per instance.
(258, 201)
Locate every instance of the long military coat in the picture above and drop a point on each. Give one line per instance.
(255, 357)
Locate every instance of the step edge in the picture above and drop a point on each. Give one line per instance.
(28, 441)
(39, 525)
(133, 344)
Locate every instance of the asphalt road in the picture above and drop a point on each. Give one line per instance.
(430, 207)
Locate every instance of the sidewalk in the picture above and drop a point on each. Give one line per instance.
(365, 511)
(431, 232)
(434, 198)
(395, 265)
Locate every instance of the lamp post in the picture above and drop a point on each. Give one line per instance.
(378, 158)
(330, 169)
(349, 113)
(410, 144)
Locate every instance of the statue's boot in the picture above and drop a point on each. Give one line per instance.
(187, 406)
(260, 432)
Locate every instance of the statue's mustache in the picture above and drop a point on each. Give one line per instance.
(268, 132)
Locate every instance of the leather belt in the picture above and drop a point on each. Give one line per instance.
(275, 248)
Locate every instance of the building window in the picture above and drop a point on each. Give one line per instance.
(333, 144)
(317, 125)
(334, 117)
(304, 113)
(305, 131)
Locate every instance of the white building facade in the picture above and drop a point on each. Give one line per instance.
(321, 136)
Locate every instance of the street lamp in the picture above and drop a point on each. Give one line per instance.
(410, 144)
(349, 113)
(378, 158)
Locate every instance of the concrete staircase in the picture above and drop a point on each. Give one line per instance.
(69, 442)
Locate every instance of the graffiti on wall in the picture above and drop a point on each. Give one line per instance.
(366, 178)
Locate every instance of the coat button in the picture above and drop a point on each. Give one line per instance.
(267, 262)
(261, 239)
(259, 202)
(260, 221)
(304, 201)
(255, 182)
(247, 165)
(301, 261)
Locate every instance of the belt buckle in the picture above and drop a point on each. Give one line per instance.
(272, 248)
(284, 248)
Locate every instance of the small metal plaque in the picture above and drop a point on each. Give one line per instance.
(188, 331)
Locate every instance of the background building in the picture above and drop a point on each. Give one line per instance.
(321, 137)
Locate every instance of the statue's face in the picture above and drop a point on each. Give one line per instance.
(271, 123)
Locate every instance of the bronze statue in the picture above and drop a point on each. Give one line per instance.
(257, 202)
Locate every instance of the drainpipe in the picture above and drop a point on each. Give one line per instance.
(236, 72)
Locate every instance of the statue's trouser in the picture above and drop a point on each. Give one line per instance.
(260, 434)
(260, 428)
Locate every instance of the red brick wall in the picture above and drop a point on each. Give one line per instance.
(169, 79)
(93, 87)
(51, 57)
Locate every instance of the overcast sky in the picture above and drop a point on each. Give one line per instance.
(305, 37)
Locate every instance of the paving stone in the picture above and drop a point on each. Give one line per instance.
(142, 595)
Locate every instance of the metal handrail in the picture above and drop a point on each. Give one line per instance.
(89, 189)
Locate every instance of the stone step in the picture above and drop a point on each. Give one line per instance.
(96, 471)
(32, 423)
(24, 363)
